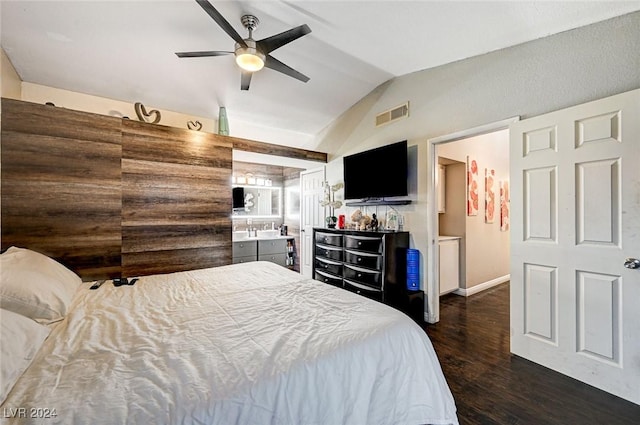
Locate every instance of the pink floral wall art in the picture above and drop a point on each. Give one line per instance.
(489, 195)
(504, 206)
(472, 187)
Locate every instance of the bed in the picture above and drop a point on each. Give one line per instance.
(250, 343)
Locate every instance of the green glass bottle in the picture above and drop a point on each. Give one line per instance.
(223, 123)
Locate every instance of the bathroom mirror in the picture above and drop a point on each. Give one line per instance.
(260, 202)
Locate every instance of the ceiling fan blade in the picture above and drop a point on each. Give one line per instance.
(269, 44)
(276, 65)
(202, 54)
(226, 26)
(245, 80)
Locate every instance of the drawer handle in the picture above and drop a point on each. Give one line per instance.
(326, 239)
(326, 253)
(326, 280)
(359, 243)
(359, 259)
(359, 274)
(326, 266)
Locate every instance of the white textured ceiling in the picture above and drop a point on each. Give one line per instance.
(124, 50)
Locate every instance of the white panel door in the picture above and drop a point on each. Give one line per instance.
(311, 214)
(575, 178)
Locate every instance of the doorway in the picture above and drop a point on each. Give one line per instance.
(479, 235)
(472, 225)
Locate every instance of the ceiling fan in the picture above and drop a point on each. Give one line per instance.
(252, 55)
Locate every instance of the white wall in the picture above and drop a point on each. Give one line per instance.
(486, 248)
(99, 105)
(11, 83)
(530, 79)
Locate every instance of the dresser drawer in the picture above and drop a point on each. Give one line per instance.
(361, 275)
(328, 239)
(280, 258)
(272, 246)
(248, 259)
(364, 243)
(329, 266)
(374, 294)
(245, 248)
(328, 278)
(328, 251)
(363, 259)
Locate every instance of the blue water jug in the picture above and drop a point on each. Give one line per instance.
(413, 269)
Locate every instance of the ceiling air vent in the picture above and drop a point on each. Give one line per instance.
(393, 114)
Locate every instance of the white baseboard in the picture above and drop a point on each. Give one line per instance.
(465, 292)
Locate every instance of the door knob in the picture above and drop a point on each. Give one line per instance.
(632, 263)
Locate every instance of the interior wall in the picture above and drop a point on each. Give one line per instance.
(11, 86)
(486, 248)
(176, 199)
(61, 186)
(286, 146)
(37, 93)
(99, 105)
(529, 79)
(110, 197)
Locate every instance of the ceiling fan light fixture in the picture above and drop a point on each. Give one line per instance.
(249, 58)
(251, 55)
(250, 62)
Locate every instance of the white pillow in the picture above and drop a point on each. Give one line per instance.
(35, 285)
(21, 339)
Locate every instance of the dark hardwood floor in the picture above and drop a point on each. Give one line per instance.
(491, 386)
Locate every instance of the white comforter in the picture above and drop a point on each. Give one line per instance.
(243, 344)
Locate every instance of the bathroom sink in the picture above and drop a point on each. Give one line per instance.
(268, 233)
(240, 235)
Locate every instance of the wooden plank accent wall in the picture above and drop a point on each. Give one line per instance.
(278, 150)
(111, 197)
(61, 192)
(176, 199)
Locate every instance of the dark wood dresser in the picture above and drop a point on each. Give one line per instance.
(372, 264)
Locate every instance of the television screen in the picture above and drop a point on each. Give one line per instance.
(238, 197)
(376, 173)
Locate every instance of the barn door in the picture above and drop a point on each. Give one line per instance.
(575, 177)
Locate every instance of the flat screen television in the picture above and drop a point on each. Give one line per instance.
(376, 173)
(238, 198)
